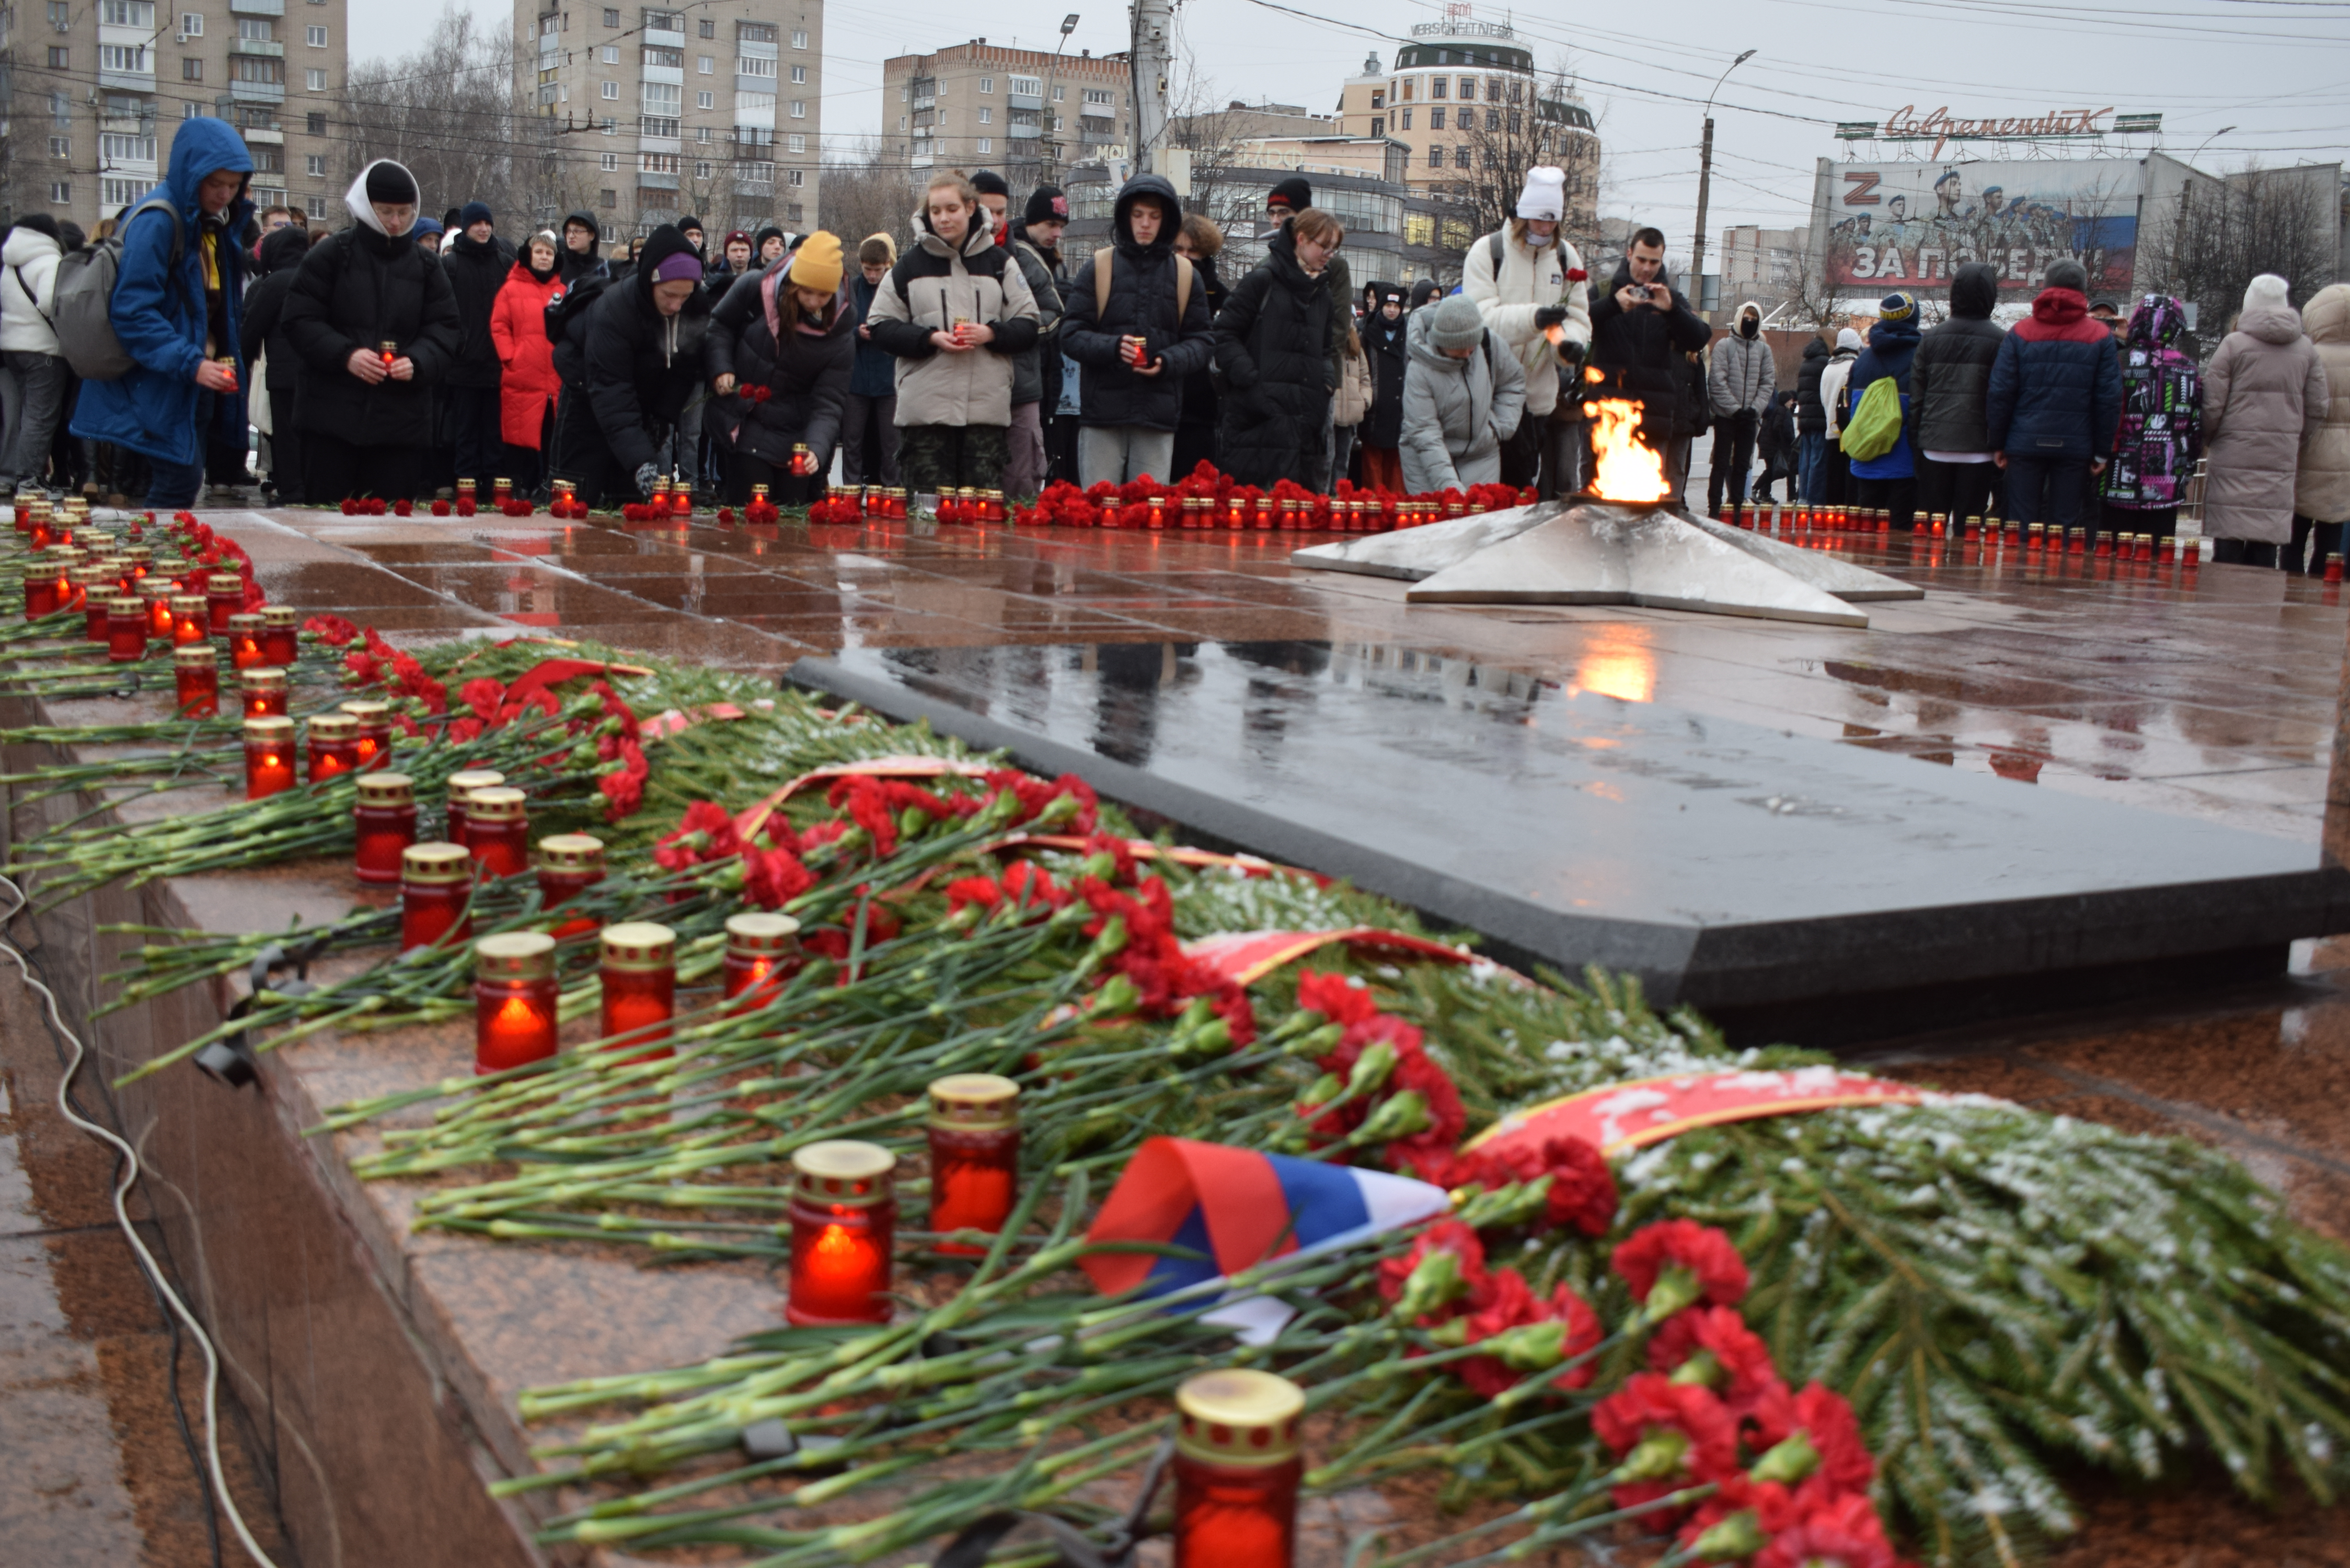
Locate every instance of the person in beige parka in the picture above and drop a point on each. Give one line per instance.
(2321, 492)
(2264, 391)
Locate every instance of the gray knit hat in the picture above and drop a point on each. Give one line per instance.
(1457, 324)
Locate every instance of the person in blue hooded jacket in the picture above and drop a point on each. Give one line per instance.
(179, 324)
(1888, 481)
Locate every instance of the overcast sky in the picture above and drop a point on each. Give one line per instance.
(2271, 68)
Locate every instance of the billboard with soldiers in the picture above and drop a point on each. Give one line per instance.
(1911, 225)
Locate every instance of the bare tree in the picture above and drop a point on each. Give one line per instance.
(449, 112)
(1810, 297)
(866, 191)
(1504, 139)
(2220, 234)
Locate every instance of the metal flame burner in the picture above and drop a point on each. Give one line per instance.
(1587, 551)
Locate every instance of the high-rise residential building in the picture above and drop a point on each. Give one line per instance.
(1762, 264)
(1464, 95)
(713, 111)
(1026, 112)
(91, 92)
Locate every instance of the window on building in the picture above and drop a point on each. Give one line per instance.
(611, 90)
(123, 57)
(1436, 158)
(796, 177)
(1436, 85)
(314, 124)
(701, 134)
(1492, 89)
(61, 14)
(123, 147)
(709, 30)
(610, 162)
(1025, 87)
(705, 100)
(1436, 117)
(192, 111)
(610, 125)
(798, 143)
(607, 197)
(705, 65)
(799, 75)
(664, 98)
(1517, 121)
(1411, 89)
(61, 192)
(60, 58)
(1096, 95)
(987, 117)
(1461, 156)
(753, 66)
(611, 54)
(758, 173)
(1407, 120)
(611, 17)
(1517, 92)
(657, 162)
(1379, 126)
(987, 84)
(316, 37)
(1060, 93)
(312, 80)
(191, 23)
(113, 194)
(192, 70)
(754, 32)
(127, 13)
(61, 147)
(1468, 88)
(799, 109)
(987, 145)
(267, 158)
(902, 122)
(670, 60)
(1060, 124)
(1493, 120)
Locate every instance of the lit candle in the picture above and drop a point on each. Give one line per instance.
(189, 623)
(138, 555)
(158, 592)
(263, 692)
(91, 588)
(268, 756)
(244, 641)
(462, 784)
(195, 674)
(1237, 1469)
(514, 1001)
(974, 1156)
(126, 629)
(639, 972)
(497, 831)
(373, 746)
(385, 820)
(763, 953)
(334, 745)
(223, 597)
(281, 626)
(842, 1216)
(568, 864)
(436, 883)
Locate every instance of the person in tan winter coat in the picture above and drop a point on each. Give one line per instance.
(2265, 390)
(2321, 491)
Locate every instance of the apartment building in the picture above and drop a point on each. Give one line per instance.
(1029, 113)
(714, 112)
(92, 90)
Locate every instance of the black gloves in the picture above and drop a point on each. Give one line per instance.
(1549, 316)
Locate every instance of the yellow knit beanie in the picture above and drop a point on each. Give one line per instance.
(817, 263)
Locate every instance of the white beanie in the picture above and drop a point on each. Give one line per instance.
(2267, 292)
(1544, 196)
(1847, 338)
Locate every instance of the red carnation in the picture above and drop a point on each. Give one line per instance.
(1669, 1436)
(1582, 1189)
(331, 630)
(774, 877)
(1703, 1252)
(1336, 997)
(1835, 1531)
(1456, 1273)
(1512, 1305)
(1577, 275)
(706, 833)
(1827, 1421)
(1747, 1375)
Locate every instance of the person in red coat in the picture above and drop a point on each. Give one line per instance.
(526, 391)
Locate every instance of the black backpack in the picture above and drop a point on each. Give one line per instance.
(571, 304)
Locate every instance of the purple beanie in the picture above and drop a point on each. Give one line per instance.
(683, 265)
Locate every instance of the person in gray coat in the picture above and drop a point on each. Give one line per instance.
(1739, 383)
(1462, 398)
(2265, 390)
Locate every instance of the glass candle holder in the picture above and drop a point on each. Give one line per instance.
(126, 629)
(1237, 1470)
(140, 558)
(373, 745)
(196, 676)
(843, 1215)
(281, 629)
(264, 692)
(244, 641)
(763, 953)
(462, 784)
(514, 1001)
(436, 884)
(974, 1156)
(385, 820)
(568, 864)
(501, 489)
(158, 593)
(268, 756)
(639, 970)
(40, 590)
(223, 597)
(92, 588)
(497, 831)
(189, 623)
(334, 746)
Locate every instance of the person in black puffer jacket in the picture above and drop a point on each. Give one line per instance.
(366, 427)
(581, 243)
(1640, 328)
(264, 329)
(1811, 422)
(478, 263)
(637, 352)
(1949, 381)
(1129, 412)
(1385, 330)
(1199, 240)
(798, 347)
(1272, 345)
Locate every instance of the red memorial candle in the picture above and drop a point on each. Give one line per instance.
(263, 690)
(195, 675)
(436, 883)
(842, 1214)
(334, 746)
(244, 641)
(568, 864)
(268, 756)
(639, 972)
(223, 597)
(373, 746)
(158, 592)
(974, 1156)
(385, 820)
(763, 953)
(514, 1001)
(40, 590)
(497, 831)
(460, 785)
(281, 626)
(126, 629)
(189, 623)
(1236, 1470)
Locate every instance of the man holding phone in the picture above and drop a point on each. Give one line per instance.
(1640, 328)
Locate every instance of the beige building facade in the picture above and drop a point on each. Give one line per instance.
(1029, 114)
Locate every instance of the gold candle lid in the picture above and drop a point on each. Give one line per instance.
(383, 789)
(243, 621)
(139, 552)
(1238, 1416)
(88, 577)
(195, 656)
(370, 715)
(126, 605)
(272, 729)
(434, 862)
(495, 805)
(281, 616)
(571, 851)
(515, 955)
(841, 1171)
(230, 586)
(974, 1102)
(187, 604)
(262, 678)
(762, 933)
(159, 588)
(639, 945)
(334, 727)
(474, 778)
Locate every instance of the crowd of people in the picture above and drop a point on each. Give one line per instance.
(398, 355)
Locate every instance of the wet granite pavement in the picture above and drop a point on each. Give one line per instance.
(2210, 696)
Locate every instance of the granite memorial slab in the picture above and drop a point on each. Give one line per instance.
(1791, 887)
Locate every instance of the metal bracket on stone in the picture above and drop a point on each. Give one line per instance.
(970, 1548)
(231, 1059)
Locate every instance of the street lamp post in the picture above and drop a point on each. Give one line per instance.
(1052, 136)
(1705, 177)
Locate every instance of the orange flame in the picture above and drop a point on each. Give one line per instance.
(1622, 468)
